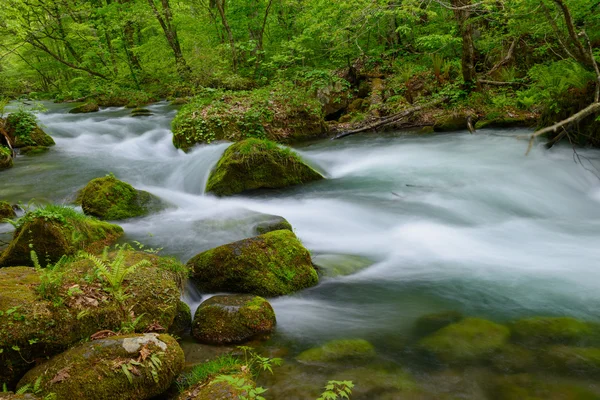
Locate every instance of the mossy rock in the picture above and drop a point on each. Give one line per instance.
(85, 108)
(430, 323)
(6, 211)
(258, 164)
(451, 123)
(109, 198)
(339, 350)
(527, 387)
(183, 320)
(469, 341)
(6, 160)
(571, 360)
(72, 305)
(380, 382)
(130, 367)
(505, 122)
(511, 358)
(141, 112)
(272, 264)
(538, 331)
(275, 223)
(37, 138)
(52, 235)
(24, 132)
(33, 150)
(211, 390)
(333, 265)
(228, 319)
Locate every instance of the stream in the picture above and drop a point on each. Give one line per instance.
(437, 222)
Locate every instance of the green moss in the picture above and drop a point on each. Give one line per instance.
(373, 382)
(527, 387)
(430, 323)
(85, 108)
(274, 224)
(255, 164)
(23, 129)
(571, 360)
(332, 265)
(6, 211)
(511, 358)
(548, 330)
(111, 199)
(464, 342)
(6, 160)
(95, 370)
(338, 350)
(450, 123)
(272, 264)
(34, 150)
(211, 390)
(232, 319)
(225, 364)
(182, 321)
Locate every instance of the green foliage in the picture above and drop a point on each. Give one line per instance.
(5, 151)
(23, 123)
(51, 212)
(51, 277)
(337, 390)
(257, 363)
(221, 365)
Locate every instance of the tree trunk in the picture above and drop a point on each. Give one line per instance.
(462, 12)
(166, 23)
(220, 4)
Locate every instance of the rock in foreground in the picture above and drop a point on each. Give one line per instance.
(258, 164)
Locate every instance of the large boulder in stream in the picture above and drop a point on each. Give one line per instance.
(129, 367)
(54, 231)
(539, 331)
(42, 313)
(109, 198)
(85, 108)
(258, 164)
(342, 350)
(272, 264)
(6, 160)
(228, 319)
(24, 132)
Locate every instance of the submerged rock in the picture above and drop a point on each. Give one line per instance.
(6, 211)
(272, 264)
(258, 164)
(572, 360)
(228, 319)
(511, 358)
(469, 341)
(43, 314)
(332, 265)
(275, 223)
(85, 108)
(133, 367)
(54, 231)
(109, 198)
(141, 112)
(430, 323)
(537, 331)
(528, 387)
(338, 350)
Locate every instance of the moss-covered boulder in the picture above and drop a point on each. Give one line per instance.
(275, 223)
(85, 108)
(6, 160)
(42, 314)
(536, 331)
(258, 164)
(272, 264)
(339, 350)
(571, 360)
(528, 387)
(33, 150)
(385, 382)
(430, 323)
(511, 358)
(183, 319)
(469, 341)
(228, 319)
(451, 123)
(132, 367)
(213, 388)
(23, 131)
(282, 114)
(6, 211)
(109, 198)
(54, 231)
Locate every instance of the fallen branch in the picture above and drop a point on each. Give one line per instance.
(391, 119)
(497, 83)
(589, 110)
(506, 59)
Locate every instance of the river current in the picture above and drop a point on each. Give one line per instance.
(440, 222)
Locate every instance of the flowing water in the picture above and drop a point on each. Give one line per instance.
(448, 222)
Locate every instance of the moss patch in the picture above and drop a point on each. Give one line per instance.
(6, 211)
(338, 350)
(255, 164)
(572, 360)
(232, 319)
(272, 264)
(511, 358)
(464, 342)
(547, 330)
(430, 323)
(183, 319)
(85, 108)
(527, 387)
(123, 367)
(274, 224)
(111, 199)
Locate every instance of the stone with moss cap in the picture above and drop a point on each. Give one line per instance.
(6, 160)
(130, 367)
(109, 198)
(54, 231)
(272, 264)
(274, 223)
(528, 387)
(183, 319)
(23, 131)
(85, 108)
(430, 323)
(338, 350)
(43, 314)
(228, 319)
(469, 341)
(6, 211)
(537, 331)
(258, 164)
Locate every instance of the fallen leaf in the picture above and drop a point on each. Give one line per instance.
(61, 375)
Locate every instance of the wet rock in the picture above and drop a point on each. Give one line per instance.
(430, 323)
(85, 108)
(338, 350)
(141, 112)
(6, 211)
(33, 150)
(571, 360)
(133, 367)
(538, 331)
(272, 264)
(109, 198)
(468, 341)
(54, 231)
(332, 265)
(511, 358)
(258, 164)
(228, 319)
(183, 319)
(451, 123)
(523, 386)
(275, 223)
